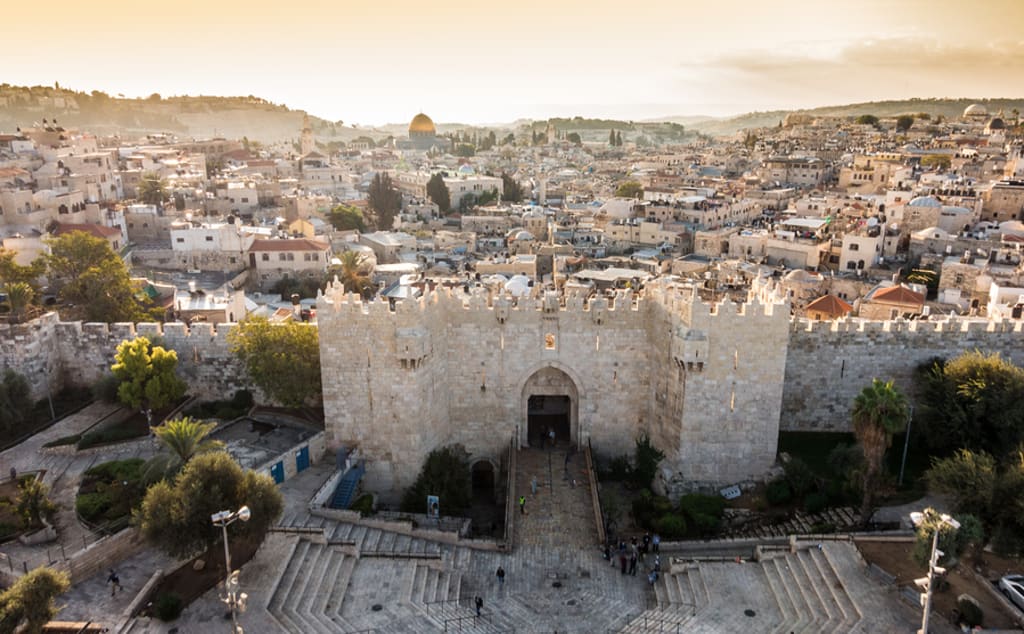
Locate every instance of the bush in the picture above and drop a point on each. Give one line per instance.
(105, 389)
(110, 435)
(647, 457)
(800, 477)
(704, 512)
(970, 611)
(364, 504)
(778, 492)
(671, 527)
(445, 473)
(64, 440)
(648, 507)
(815, 503)
(115, 470)
(168, 607)
(91, 507)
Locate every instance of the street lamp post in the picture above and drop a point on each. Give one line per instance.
(918, 519)
(906, 445)
(231, 597)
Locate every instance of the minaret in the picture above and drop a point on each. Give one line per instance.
(306, 143)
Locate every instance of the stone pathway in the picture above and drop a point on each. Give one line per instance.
(560, 514)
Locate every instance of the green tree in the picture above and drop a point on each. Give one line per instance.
(867, 119)
(19, 296)
(15, 402)
(28, 605)
(91, 279)
(438, 192)
(33, 502)
(384, 200)
(152, 189)
(974, 401)
(175, 517)
(13, 273)
(646, 458)
(183, 439)
(903, 122)
(464, 150)
(445, 473)
(511, 190)
(952, 542)
(968, 478)
(936, 161)
(574, 138)
(611, 138)
(630, 189)
(346, 217)
(147, 376)
(879, 411)
(618, 139)
(352, 273)
(282, 359)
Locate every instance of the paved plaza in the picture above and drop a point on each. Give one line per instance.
(342, 577)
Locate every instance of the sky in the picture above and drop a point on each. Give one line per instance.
(383, 61)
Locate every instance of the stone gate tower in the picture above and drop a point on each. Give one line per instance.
(704, 381)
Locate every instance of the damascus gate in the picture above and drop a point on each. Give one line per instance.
(704, 381)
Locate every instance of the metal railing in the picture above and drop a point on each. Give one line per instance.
(595, 495)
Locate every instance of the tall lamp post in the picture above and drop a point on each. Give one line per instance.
(919, 519)
(231, 596)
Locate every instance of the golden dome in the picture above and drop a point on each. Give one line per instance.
(422, 125)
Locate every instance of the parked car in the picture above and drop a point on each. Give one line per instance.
(1013, 587)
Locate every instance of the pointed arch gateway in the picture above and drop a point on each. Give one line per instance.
(550, 400)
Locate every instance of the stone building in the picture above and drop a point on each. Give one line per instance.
(702, 380)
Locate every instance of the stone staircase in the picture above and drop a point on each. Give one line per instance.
(840, 519)
(301, 602)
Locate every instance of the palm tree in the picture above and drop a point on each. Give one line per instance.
(350, 272)
(183, 438)
(879, 411)
(19, 295)
(152, 189)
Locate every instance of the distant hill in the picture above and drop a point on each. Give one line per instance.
(949, 108)
(261, 120)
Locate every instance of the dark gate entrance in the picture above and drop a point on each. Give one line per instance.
(544, 413)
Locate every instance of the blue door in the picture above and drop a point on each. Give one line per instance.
(302, 459)
(277, 472)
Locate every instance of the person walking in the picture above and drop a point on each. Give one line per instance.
(632, 565)
(114, 581)
(622, 562)
(501, 575)
(656, 543)
(479, 604)
(551, 436)
(533, 485)
(522, 505)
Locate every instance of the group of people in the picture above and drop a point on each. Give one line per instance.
(629, 556)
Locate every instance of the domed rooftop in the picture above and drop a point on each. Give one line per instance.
(996, 124)
(924, 201)
(975, 110)
(422, 125)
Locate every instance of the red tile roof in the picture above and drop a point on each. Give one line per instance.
(298, 244)
(829, 305)
(99, 231)
(898, 295)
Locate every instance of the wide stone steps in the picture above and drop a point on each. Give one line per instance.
(792, 608)
(851, 614)
(309, 596)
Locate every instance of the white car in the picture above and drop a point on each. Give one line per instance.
(1013, 587)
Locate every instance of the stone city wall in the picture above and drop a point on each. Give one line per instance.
(829, 363)
(48, 351)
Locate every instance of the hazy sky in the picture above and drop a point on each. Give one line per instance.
(485, 61)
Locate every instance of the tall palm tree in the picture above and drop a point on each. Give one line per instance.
(183, 438)
(152, 189)
(879, 411)
(351, 273)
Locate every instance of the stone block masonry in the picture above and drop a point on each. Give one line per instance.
(711, 384)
